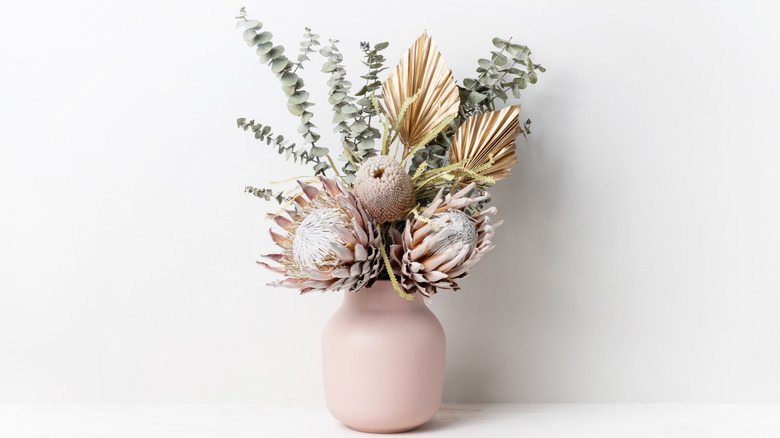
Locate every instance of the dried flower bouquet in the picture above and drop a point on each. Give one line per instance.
(416, 216)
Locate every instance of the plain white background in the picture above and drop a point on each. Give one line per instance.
(639, 259)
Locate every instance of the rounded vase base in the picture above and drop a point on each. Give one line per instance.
(383, 430)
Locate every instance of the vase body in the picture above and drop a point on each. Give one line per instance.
(383, 361)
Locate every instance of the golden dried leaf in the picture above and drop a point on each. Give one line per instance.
(421, 70)
(484, 135)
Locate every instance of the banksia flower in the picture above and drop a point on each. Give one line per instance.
(330, 243)
(384, 188)
(438, 247)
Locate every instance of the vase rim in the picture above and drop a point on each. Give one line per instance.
(381, 294)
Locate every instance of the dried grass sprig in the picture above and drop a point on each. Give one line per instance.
(389, 270)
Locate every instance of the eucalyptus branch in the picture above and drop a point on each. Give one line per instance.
(292, 85)
(266, 194)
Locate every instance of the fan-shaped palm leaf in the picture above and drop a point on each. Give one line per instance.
(487, 135)
(421, 73)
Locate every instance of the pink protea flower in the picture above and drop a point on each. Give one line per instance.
(438, 248)
(330, 243)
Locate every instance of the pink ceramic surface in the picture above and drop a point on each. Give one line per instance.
(383, 361)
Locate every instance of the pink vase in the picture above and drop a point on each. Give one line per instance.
(383, 361)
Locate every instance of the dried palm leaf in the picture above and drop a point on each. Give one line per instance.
(485, 137)
(421, 74)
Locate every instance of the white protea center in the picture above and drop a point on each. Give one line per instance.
(311, 246)
(456, 229)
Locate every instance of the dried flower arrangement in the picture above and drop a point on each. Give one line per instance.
(418, 219)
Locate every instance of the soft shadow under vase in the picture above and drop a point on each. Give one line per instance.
(383, 361)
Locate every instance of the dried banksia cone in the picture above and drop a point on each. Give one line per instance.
(330, 242)
(384, 188)
(440, 246)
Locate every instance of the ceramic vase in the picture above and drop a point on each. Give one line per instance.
(383, 361)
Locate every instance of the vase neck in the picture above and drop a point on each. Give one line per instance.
(381, 295)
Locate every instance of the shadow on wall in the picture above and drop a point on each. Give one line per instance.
(497, 326)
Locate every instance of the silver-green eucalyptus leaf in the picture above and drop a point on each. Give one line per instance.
(264, 37)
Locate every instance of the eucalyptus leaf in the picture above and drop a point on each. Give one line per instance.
(475, 97)
(296, 109)
(275, 52)
(317, 151)
(367, 144)
(288, 79)
(253, 24)
(249, 34)
(359, 126)
(264, 37)
(279, 64)
(299, 97)
(515, 90)
(264, 48)
(515, 49)
(320, 167)
(500, 60)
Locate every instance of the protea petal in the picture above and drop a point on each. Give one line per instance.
(301, 201)
(287, 282)
(293, 214)
(360, 233)
(435, 261)
(360, 253)
(278, 269)
(434, 276)
(279, 240)
(275, 257)
(342, 252)
(428, 212)
(419, 251)
(310, 191)
(340, 273)
(284, 222)
(330, 186)
(346, 235)
(317, 275)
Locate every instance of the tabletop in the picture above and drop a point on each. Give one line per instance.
(452, 421)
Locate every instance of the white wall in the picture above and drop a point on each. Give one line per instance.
(638, 261)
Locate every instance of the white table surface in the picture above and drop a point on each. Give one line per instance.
(453, 421)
